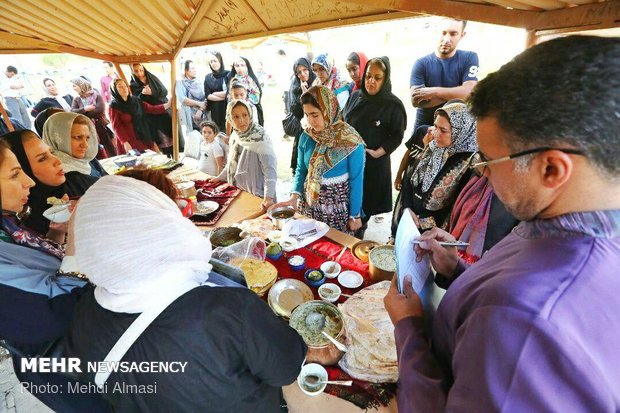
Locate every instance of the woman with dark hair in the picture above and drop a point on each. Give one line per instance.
(42, 117)
(91, 104)
(148, 88)
(328, 182)
(356, 66)
(215, 89)
(380, 118)
(129, 118)
(52, 99)
(242, 72)
(302, 79)
(36, 302)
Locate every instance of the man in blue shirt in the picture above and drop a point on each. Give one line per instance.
(445, 74)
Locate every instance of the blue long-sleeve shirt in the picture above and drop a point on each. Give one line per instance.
(352, 164)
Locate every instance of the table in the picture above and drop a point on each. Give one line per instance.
(245, 206)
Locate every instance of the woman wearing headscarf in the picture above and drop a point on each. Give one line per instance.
(225, 334)
(443, 167)
(42, 117)
(52, 99)
(328, 182)
(36, 303)
(329, 76)
(380, 118)
(215, 89)
(129, 118)
(73, 139)
(356, 66)
(242, 72)
(302, 80)
(45, 170)
(148, 88)
(90, 103)
(251, 163)
(191, 97)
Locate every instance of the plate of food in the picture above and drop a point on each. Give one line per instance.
(205, 207)
(59, 210)
(286, 295)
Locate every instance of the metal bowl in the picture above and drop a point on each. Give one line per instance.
(281, 215)
(225, 237)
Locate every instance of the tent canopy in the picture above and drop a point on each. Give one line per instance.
(157, 30)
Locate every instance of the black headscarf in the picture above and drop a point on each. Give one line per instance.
(158, 90)
(132, 106)
(38, 193)
(384, 95)
(233, 73)
(222, 72)
(294, 92)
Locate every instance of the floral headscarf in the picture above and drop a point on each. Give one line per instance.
(334, 143)
(463, 140)
(334, 82)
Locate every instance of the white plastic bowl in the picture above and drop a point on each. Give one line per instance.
(329, 265)
(313, 369)
(333, 297)
(58, 213)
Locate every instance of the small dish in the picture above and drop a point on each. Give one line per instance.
(274, 251)
(331, 269)
(312, 369)
(288, 244)
(126, 161)
(58, 213)
(297, 262)
(330, 292)
(205, 207)
(275, 236)
(350, 279)
(314, 277)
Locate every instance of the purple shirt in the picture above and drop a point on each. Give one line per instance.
(534, 326)
(105, 88)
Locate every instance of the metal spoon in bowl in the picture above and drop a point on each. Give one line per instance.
(337, 343)
(313, 380)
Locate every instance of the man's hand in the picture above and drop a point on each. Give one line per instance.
(444, 259)
(400, 306)
(426, 97)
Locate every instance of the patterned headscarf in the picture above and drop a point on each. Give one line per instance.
(463, 140)
(334, 143)
(335, 81)
(57, 135)
(86, 89)
(254, 139)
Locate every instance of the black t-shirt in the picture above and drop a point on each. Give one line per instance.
(238, 353)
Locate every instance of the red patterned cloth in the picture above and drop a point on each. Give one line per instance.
(363, 394)
(221, 192)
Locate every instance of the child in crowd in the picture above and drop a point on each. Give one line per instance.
(212, 157)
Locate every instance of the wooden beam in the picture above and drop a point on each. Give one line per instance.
(307, 27)
(119, 71)
(173, 107)
(23, 41)
(456, 9)
(514, 5)
(606, 13)
(164, 57)
(5, 117)
(565, 30)
(532, 39)
(192, 25)
(256, 15)
(24, 51)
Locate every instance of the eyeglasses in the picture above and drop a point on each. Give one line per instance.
(480, 167)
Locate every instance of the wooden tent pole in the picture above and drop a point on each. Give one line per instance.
(6, 119)
(532, 39)
(119, 71)
(173, 107)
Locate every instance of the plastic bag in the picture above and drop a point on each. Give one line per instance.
(250, 247)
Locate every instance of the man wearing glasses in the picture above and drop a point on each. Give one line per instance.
(533, 326)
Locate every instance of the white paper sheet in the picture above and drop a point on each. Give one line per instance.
(406, 263)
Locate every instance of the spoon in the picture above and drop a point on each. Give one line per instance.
(337, 343)
(315, 321)
(312, 380)
(329, 291)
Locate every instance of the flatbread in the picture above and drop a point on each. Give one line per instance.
(258, 274)
(52, 200)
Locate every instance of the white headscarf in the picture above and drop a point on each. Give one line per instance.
(133, 243)
(57, 134)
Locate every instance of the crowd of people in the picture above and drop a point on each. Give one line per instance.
(529, 319)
